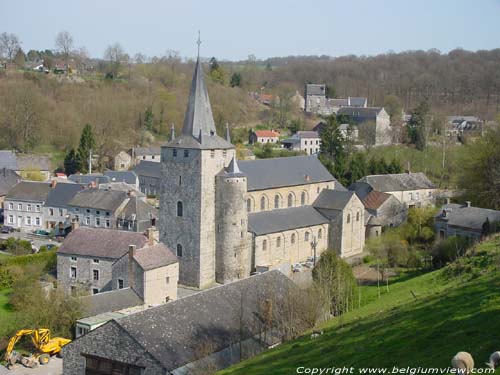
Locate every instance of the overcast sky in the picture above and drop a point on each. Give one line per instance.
(234, 29)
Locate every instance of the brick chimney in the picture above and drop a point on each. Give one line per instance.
(131, 254)
(74, 225)
(53, 183)
(150, 236)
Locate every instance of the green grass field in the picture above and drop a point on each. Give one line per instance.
(6, 314)
(455, 308)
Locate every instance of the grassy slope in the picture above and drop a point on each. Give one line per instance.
(450, 313)
(6, 314)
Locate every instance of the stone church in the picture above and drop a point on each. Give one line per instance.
(226, 219)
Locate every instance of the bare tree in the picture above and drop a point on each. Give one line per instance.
(64, 44)
(116, 56)
(9, 45)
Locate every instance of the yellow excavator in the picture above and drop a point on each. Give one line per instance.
(44, 345)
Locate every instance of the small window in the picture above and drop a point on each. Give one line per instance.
(107, 213)
(108, 223)
(264, 245)
(95, 275)
(72, 272)
(11, 206)
(37, 221)
(87, 220)
(290, 200)
(317, 190)
(88, 211)
(97, 222)
(28, 207)
(180, 209)
(429, 194)
(262, 203)
(73, 259)
(348, 218)
(224, 153)
(174, 152)
(120, 284)
(357, 216)
(98, 212)
(306, 236)
(212, 154)
(186, 153)
(20, 207)
(179, 250)
(276, 201)
(51, 211)
(278, 242)
(167, 280)
(152, 157)
(37, 208)
(249, 205)
(303, 198)
(320, 233)
(28, 220)
(61, 212)
(292, 239)
(95, 261)
(95, 290)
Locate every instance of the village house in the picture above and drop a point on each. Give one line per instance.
(56, 215)
(8, 178)
(149, 177)
(145, 154)
(197, 334)
(122, 161)
(26, 164)
(317, 102)
(308, 142)
(464, 220)
(412, 189)
(372, 123)
(264, 136)
(388, 210)
(23, 205)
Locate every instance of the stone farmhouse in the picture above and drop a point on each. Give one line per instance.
(122, 161)
(385, 207)
(149, 177)
(264, 136)
(412, 189)
(26, 163)
(212, 206)
(317, 102)
(373, 122)
(145, 154)
(464, 220)
(197, 334)
(305, 141)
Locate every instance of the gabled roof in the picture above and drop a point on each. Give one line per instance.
(108, 200)
(86, 179)
(338, 102)
(156, 256)
(307, 134)
(468, 217)
(8, 160)
(398, 182)
(128, 177)
(30, 191)
(284, 219)
(148, 169)
(8, 178)
(142, 210)
(289, 171)
(198, 130)
(61, 194)
(361, 113)
(266, 133)
(100, 242)
(146, 151)
(374, 199)
(357, 101)
(113, 300)
(333, 199)
(315, 89)
(171, 333)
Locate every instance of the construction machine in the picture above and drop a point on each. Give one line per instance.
(45, 347)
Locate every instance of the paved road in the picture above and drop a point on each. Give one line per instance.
(38, 240)
(54, 367)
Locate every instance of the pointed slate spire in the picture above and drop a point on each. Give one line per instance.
(172, 132)
(233, 167)
(228, 133)
(198, 118)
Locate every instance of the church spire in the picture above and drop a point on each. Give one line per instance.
(198, 119)
(233, 167)
(228, 133)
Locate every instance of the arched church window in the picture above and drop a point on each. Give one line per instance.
(303, 198)
(292, 240)
(348, 218)
(179, 250)
(306, 236)
(278, 242)
(180, 209)
(262, 203)
(357, 216)
(320, 233)
(264, 245)
(276, 201)
(290, 200)
(249, 205)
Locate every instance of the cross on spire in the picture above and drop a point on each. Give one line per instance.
(198, 42)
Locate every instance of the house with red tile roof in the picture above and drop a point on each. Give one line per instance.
(264, 136)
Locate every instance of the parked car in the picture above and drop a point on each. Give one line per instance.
(50, 246)
(7, 229)
(41, 232)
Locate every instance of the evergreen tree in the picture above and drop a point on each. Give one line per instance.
(148, 119)
(332, 141)
(235, 80)
(216, 71)
(357, 168)
(395, 166)
(71, 162)
(418, 124)
(87, 143)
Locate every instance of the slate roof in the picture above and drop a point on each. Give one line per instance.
(338, 102)
(108, 200)
(360, 113)
(289, 171)
(8, 160)
(357, 101)
(374, 199)
(29, 191)
(147, 151)
(87, 179)
(100, 242)
(315, 89)
(398, 182)
(333, 199)
(156, 256)
(33, 162)
(307, 134)
(148, 169)
(113, 300)
(285, 219)
(468, 217)
(139, 208)
(128, 177)
(8, 178)
(198, 130)
(61, 194)
(172, 333)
